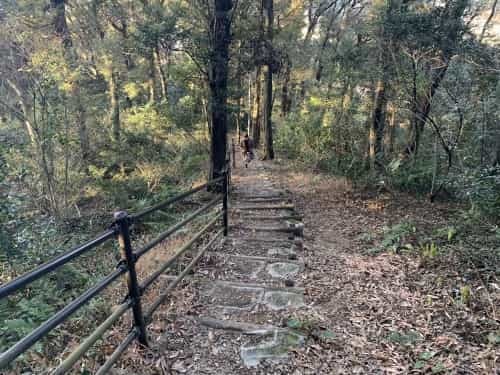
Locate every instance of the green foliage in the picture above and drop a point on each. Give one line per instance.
(429, 251)
(448, 233)
(408, 338)
(465, 294)
(396, 237)
(482, 188)
(413, 177)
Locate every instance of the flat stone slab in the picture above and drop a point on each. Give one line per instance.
(278, 300)
(244, 266)
(237, 267)
(237, 297)
(263, 237)
(282, 252)
(282, 270)
(273, 350)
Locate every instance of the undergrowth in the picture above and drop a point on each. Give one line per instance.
(29, 238)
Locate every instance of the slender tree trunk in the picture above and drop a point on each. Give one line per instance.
(218, 85)
(240, 95)
(249, 117)
(286, 102)
(83, 133)
(378, 124)
(319, 57)
(161, 73)
(391, 130)
(62, 31)
(421, 110)
(368, 128)
(153, 92)
(267, 115)
(453, 13)
(256, 121)
(114, 98)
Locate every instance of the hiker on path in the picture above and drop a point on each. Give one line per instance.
(247, 147)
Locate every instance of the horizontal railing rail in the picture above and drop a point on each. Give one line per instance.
(120, 230)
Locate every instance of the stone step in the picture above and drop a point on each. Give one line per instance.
(247, 268)
(295, 229)
(244, 297)
(236, 195)
(265, 259)
(274, 345)
(273, 250)
(263, 200)
(270, 218)
(274, 349)
(266, 207)
(284, 241)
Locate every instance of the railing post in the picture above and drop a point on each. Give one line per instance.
(122, 220)
(225, 192)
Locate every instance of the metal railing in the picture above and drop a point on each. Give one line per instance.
(121, 230)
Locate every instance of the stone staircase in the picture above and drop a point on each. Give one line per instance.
(246, 290)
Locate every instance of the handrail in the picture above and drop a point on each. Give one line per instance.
(25, 343)
(51, 265)
(91, 340)
(118, 351)
(181, 251)
(173, 200)
(175, 228)
(173, 284)
(120, 230)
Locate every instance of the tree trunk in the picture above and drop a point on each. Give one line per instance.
(378, 124)
(421, 110)
(162, 74)
(114, 98)
(61, 29)
(249, 112)
(256, 121)
(453, 13)
(286, 102)
(153, 91)
(267, 112)
(391, 131)
(268, 89)
(218, 85)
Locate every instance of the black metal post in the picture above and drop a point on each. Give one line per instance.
(123, 221)
(225, 191)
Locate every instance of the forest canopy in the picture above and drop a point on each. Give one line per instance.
(94, 90)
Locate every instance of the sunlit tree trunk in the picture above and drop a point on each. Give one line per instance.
(62, 31)
(391, 130)
(256, 116)
(114, 98)
(161, 73)
(153, 90)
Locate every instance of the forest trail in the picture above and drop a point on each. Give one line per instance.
(267, 302)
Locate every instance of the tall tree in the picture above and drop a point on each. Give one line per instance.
(218, 77)
(62, 30)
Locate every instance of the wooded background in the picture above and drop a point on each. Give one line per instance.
(108, 104)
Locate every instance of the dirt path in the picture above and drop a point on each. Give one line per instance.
(268, 301)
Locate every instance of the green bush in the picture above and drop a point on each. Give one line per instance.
(482, 188)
